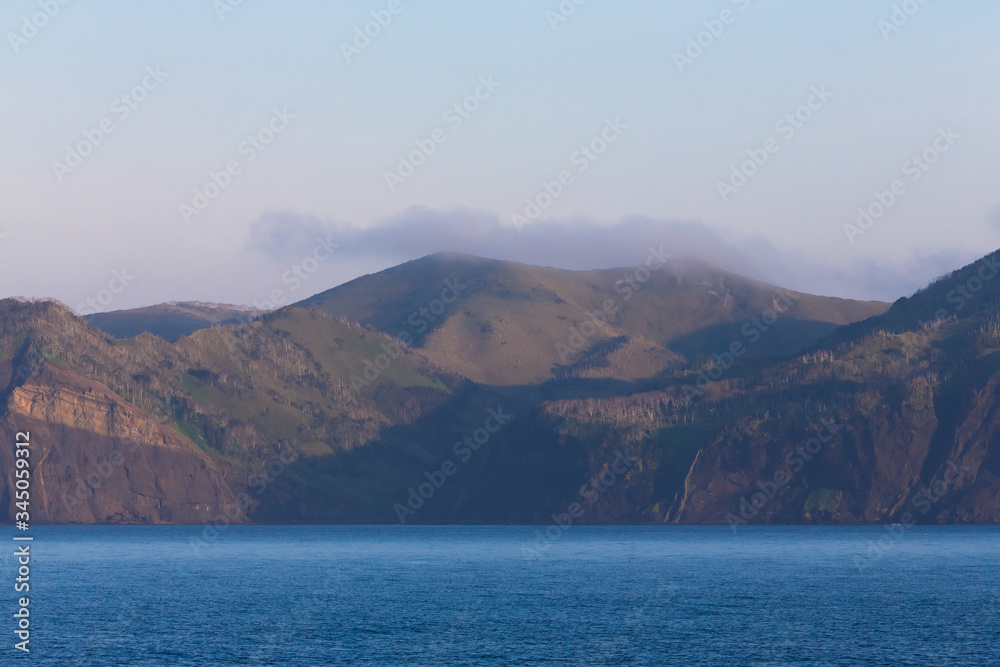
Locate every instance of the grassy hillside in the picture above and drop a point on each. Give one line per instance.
(505, 323)
(170, 321)
(240, 393)
(684, 403)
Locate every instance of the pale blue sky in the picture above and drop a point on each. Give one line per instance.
(325, 172)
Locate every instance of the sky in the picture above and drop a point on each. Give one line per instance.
(229, 151)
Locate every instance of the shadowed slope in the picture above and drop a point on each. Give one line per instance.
(502, 322)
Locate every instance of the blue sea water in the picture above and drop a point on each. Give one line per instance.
(394, 595)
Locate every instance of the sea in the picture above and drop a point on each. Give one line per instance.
(504, 595)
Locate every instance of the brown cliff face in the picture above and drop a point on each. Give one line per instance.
(96, 459)
(916, 402)
(859, 470)
(914, 438)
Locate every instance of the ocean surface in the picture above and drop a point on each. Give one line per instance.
(394, 595)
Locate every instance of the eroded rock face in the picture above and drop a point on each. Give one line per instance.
(96, 459)
(90, 407)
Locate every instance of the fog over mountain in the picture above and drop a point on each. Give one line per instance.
(580, 243)
(715, 397)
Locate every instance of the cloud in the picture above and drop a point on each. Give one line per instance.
(866, 279)
(572, 244)
(285, 237)
(580, 243)
(993, 217)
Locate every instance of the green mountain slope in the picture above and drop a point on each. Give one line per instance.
(170, 321)
(703, 398)
(240, 396)
(506, 323)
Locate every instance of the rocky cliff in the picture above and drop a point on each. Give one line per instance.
(97, 459)
(305, 416)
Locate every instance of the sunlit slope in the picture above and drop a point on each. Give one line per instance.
(243, 395)
(169, 321)
(502, 322)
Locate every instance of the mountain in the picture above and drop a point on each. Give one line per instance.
(504, 323)
(894, 419)
(170, 321)
(235, 401)
(698, 397)
(100, 460)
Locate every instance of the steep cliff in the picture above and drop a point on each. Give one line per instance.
(307, 417)
(97, 459)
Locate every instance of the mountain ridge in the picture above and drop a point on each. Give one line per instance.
(708, 384)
